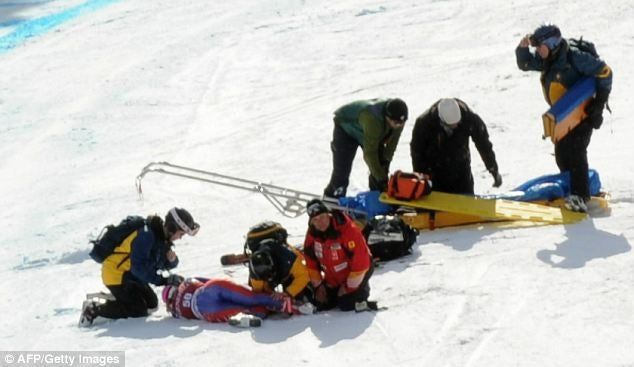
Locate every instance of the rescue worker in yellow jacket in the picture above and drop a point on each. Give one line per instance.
(274, 263)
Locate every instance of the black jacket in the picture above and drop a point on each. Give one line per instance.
(446, 157)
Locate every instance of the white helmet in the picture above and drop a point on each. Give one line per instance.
(449, 111)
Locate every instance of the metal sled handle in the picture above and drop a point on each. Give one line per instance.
(294, 206)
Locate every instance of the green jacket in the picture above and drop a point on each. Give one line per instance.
(365, 122)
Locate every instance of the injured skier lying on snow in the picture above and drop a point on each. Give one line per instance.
(220, 300)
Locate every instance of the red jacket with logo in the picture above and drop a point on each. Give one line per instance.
(344, 259)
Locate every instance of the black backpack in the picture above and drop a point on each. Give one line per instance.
(265, 233)
(584, 46)
(389, 238)
(587, 47)
(111, 236)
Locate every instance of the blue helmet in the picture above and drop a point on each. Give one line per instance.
(547, 34)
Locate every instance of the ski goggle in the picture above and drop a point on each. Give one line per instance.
(550, 42)
(182, 225)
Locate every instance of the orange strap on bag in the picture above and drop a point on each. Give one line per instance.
(408, 186)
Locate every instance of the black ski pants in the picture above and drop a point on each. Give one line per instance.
(571, 154)
(344, 149)
(132, 299)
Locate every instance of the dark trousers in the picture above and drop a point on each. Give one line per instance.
(344, 149)
(572, 155)
(132, 299)
(347, 301)
(454, 182)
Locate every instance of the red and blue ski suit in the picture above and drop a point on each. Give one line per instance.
(216, 300)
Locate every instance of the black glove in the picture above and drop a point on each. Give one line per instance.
(375, 184)
(594, 109)
(174, 279)
(383, 185)
(497, 178)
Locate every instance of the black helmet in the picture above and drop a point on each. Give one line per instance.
(261, 265)
(396, 109)
(547, 34)
(180, 219)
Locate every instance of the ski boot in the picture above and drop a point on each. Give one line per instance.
(576, 203)
(88, 313)
(244, 321)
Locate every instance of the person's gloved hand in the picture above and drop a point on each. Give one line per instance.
(171, 256)
(497, 178)
(377, 184)
(594, 109)
(174, 279)
(321, 293)
(343, 290)
(279, 296)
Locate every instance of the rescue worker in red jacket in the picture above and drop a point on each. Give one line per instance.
(338, 259)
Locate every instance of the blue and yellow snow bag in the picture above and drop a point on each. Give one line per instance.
(569, 110)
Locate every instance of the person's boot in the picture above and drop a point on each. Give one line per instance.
(88, 313)
(576, 203)
(245, 320)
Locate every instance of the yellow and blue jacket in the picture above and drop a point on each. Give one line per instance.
(290, 272)
(563, 69)
(139, 257)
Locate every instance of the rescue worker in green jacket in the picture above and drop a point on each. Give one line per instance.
(374, 125)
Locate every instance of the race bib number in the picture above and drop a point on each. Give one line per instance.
(187, 300)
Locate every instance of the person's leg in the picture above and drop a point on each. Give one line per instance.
(347, 302)
(151, 300)
(221, 299)
(571, 154)
(579, 181)
(344, 149)
(237, 294)
(131, 300)
(331, 300)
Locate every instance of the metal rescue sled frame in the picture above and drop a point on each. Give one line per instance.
(435, 210)
(293, 206)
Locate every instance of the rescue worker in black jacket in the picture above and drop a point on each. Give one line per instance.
(440, 146)
(561, 67)
(135, 263)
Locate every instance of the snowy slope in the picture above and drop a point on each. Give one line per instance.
(247, 88)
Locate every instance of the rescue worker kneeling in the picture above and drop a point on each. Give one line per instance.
(273, 262)
(338, 259)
